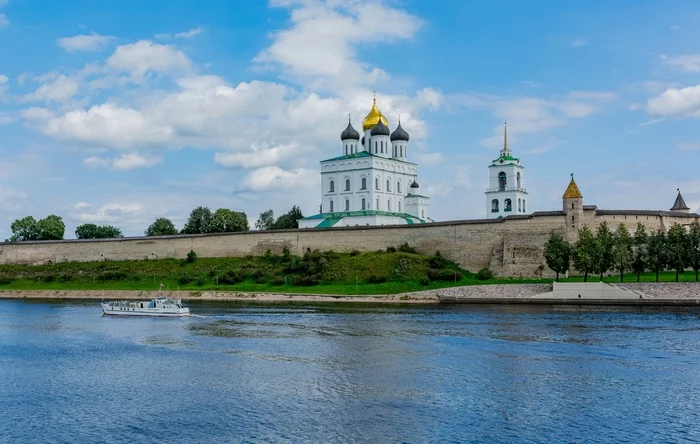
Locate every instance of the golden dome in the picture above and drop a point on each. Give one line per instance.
(373, 117)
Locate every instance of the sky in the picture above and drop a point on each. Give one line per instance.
(120, 112)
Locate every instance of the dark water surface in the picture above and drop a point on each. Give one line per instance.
(320, 374)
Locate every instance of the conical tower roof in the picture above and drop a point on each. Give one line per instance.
(679, 204)
(572, 191)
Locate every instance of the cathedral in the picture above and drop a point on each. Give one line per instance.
(371, 182)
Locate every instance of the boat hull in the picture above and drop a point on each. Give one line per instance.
(144, 313)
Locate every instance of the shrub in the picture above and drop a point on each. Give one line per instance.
(191, 257)
(376, 279)
(112, 275)
(437, 261)
(199, 282)
(278, 280)
(5, 280)
(401, 268)
(354, 253)
(65, 277)
(286, 254)
(405, 248)
(484, 274)
(230, 277)
(49, 278)
(444, 275)
(305, 281)
(391, 249)
(268, 255)
(184, 280)
(425, 281)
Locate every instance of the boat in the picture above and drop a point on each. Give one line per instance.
(154, 307)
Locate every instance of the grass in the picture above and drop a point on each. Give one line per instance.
(315, 273)
(664, 276)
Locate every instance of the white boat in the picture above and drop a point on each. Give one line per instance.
(154, 307)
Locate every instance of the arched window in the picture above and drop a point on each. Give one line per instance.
(524, 209)
(501, 181)
(347, 184)
(518, 178)
(347, 205)
(507, 205)
(401, 151)
(376, 183)
(398, 186)
(399, 206)
(363, 203)
(422, 214)
(388, 205)
(388, 185)
(364, 183)
(376, 147)
(572, 205)
(494, 206)
(331, 206)
(377, 205)
(331, 187)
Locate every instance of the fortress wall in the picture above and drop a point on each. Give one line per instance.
(650, 222)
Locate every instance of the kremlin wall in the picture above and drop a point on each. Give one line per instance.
(510, 246)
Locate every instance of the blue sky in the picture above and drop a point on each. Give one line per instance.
(119, 112)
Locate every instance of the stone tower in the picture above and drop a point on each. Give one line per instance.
(573, 208)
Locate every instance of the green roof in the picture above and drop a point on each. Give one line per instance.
(416, 195)
(364, 154)
(328, 220)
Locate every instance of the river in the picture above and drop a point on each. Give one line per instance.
(335, 374)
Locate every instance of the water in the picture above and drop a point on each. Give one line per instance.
(320, 374)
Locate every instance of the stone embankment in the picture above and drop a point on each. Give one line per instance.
(665, 290)
(505, 291)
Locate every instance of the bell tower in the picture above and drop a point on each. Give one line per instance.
(506, 195)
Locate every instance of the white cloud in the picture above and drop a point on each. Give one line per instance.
(138, 59)
(3, 20)
(256, 158)
(688, 63)
(429, 158)
(57, 88)
(578, 43)
(124, 162)
(676, 102)
(319, 46)
(273, 178)
(551, 144)
(111, 212)
(11, 199)
(86, 42)
(4, 85)
(181, 35)
(689, 146)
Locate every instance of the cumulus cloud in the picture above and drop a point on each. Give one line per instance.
(181, 35)
(273, 178)
(687, 63)
(676, 102)
(111, 212)
(56, 88)
(124, 162)
(143, 57)
(256, 158)
(86, 42)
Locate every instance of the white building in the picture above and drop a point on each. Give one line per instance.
(506, 194)
(372, 182)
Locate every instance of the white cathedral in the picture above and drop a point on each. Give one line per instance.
(372, 182)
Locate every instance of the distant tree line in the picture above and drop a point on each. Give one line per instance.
(201, 220)
(620, 251)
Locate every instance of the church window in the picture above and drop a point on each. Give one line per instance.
(572, 219)
(364, 183)
(347, 205)
(494, 206)
(363, 203)
(399, 206)
(332, 187)
(377, 204)
(388, 185)
(376, 145)
(388, 205)
(501, 181)
(376, 183)
(401, 150)
(398, 187)
(507, 205)
(519, 206)
(422, 214)
(347, 184)
(331, 206)
(524, 210)
(518, 179)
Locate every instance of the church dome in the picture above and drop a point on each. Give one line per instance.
(399, 134)
(350, 133)
(380, 129)
(373, 117)
(414, 184)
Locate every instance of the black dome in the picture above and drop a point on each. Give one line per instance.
(380, 129)
(399, 134)
(350, 133)
(414, 184)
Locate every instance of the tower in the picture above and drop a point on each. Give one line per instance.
(506, 194)
(399, 142)
(679, 204)
(350, 139)
(572, 201)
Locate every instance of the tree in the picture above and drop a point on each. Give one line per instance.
(92, 231)
(161, 227)
(677, 249)
(266, 221)
(694, 247)
(289, 220)
(585, 252)
(227, 221)
(198, 222)
(24, 229)
(557, 253)
(640, 250)
(604, 252)
(658, 254)
(622, 250)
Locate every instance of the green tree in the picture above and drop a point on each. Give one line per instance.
(24, 229)
(227, 221)
(585, 252)
(266, 221)
(51, 228)
(658, 252)
(694, 247)
(92, 231)
(677, 249)
(622, 250)
(605, 243)
(289, 220)
(161, 227)
(640, 250)
(557, 253)
(198, 222)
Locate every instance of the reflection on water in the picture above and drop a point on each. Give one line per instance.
(349, 374)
